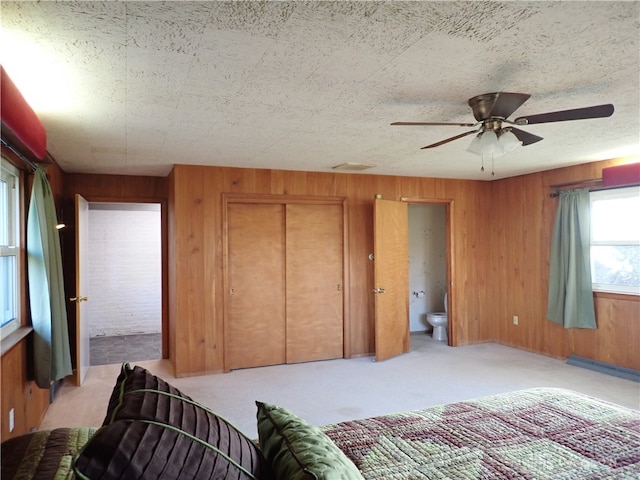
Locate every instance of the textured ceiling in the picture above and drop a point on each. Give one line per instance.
(309, 85)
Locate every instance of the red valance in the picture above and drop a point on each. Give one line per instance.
(621, 175)
(21, 127)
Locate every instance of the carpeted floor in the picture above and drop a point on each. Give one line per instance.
(337, 390)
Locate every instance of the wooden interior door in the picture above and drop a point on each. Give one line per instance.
(255, 321)
(391, 278)
(314, 256)
(82, 284)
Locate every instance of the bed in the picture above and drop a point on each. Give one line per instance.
(152, 430)
(537, 434)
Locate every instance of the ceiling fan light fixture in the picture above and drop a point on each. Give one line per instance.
(488, 143)
(475, 145)
(508, 141)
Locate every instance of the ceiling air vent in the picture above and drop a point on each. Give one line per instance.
(353, 166)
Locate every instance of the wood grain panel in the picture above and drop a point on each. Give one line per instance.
(256, 298)
(173, 242)
(501, 233)
(362, 303)
(391, 273)
(314, 279)
(110, 187)
(213, 300)
(469, 219)
(28, 402)
(188, 216)
(522, 219)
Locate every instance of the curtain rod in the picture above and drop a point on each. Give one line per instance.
(31, 164)
(592, 184)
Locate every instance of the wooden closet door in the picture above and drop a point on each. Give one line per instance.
(314, 257)
(256, 276)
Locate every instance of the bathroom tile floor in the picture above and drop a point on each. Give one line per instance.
(126, 348)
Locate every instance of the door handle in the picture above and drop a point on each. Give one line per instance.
(79, 299)
(378, 290)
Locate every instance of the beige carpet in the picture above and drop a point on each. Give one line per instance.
(337, 390)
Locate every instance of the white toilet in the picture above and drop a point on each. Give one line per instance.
(438, 320)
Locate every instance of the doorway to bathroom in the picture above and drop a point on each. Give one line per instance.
(124, 266)
(428, 263)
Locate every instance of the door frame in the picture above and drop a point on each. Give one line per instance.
(449, 253)
(228, 198)
(164, 242)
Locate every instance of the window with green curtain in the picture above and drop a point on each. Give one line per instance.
(570, 300)
(52, 358)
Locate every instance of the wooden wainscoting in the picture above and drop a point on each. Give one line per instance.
(28, 402)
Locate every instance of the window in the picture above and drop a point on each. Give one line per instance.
(615, 240)
(9, 248)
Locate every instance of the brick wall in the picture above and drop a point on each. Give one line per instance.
(124, 269)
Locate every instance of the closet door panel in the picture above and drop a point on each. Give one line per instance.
(256, 298)
(314, 279)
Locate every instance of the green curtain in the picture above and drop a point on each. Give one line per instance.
(52, 358)
(570, 301)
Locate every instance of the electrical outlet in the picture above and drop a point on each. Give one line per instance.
(12, 420)
(515, 320)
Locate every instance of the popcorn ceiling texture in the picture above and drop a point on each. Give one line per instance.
(309, 85)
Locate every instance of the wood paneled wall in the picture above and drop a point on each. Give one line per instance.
(522, 216)
(20, 393)
(195, 251)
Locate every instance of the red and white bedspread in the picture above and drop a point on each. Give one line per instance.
(537, 434)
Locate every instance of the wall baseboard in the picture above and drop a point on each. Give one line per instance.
(609, 369)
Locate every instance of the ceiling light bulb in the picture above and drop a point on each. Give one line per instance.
(489, 143)
(508, 141)
(474, 146)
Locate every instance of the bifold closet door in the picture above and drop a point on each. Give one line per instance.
(256, 276)
(314, 269)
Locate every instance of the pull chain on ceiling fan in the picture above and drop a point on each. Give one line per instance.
(491, 111)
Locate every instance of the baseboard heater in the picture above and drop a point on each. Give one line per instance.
(609, 369)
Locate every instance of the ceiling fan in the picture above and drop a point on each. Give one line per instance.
(491, 111)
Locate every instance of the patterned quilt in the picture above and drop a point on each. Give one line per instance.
(530, 434)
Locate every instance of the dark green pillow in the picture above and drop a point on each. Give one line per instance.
(296, 450)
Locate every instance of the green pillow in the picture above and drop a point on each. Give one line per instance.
(296, 450)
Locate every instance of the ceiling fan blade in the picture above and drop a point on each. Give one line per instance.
(433, 124)
(525, 137)
(597, 111)
(451, 139)
(507, 103)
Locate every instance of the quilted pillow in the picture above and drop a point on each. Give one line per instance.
(152, 430)
(296, 450)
